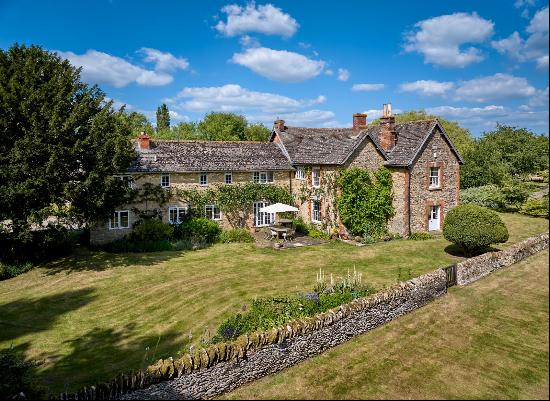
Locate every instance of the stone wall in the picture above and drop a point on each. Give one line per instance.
(480, 266)
(222, 367)
(436, 153)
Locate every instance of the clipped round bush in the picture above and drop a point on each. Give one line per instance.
(473, 228)
(236, 235)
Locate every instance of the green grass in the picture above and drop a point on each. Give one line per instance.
(92, 315)
(485, 341)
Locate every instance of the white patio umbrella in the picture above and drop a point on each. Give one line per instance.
(278, 208)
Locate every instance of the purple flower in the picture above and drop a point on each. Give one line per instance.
(313, 296)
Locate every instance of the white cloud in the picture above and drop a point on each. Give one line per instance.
(534, 48)
(479, 119)
(279, 65)
(439, 39)
(266, 19)
(328, 71)
(164, 61)
(177, 117)
(249, 41)
(427, 87)
(234, 98)
(367, 87)
(492, 87)
(540, 99)
(99, 67)
(343, 74)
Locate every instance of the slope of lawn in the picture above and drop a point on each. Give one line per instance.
(485, 341)
(92, 315)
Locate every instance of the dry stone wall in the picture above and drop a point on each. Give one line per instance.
(475, 268)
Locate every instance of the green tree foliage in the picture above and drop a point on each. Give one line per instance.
(365, 201)
(17, 376)
(163, 118)
(461, 137)
(473, 228)
(136, 122)
(61, 142)
(502, 153)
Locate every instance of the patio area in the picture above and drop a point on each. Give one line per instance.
(300, 240)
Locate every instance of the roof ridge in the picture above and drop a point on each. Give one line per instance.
(203, 141)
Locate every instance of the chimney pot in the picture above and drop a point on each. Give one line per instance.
(144, 141)
(279, 124)
(359, 121)
(388, 135)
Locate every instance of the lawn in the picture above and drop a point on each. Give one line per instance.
(92, 315)
(485, 341)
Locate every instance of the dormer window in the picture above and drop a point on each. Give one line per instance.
(165, 180)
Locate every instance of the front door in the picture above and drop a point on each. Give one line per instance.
(433, 221)
(262, 219)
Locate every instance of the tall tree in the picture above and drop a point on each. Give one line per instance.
(222, 127)
(163, 118)
(61, 142)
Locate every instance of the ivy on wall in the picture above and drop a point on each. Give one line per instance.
(365, 201)
(235, 201)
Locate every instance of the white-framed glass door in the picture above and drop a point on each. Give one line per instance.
(262, 219)
(434, 219)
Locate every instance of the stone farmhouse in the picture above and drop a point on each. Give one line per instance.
(424, 163)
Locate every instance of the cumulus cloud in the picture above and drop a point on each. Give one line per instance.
(266, 19)
(279, 65)
(440, 39)
(343, 74)
(492, 87)
(249, 41)
(367, 87)
(103, 68)
(534, 48)
(164, 61)
(234, 98)
(427, 87)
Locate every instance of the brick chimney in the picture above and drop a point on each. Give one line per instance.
(388, 135)
(359, 121)
(279, 125)
(144, 141)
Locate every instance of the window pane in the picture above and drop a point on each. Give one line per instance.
(256, 177)
(124, 220)
(216, 213)
(270, 176)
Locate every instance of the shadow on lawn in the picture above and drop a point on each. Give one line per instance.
(101, 354)
(18, 318)
(83, 259)
(455, 250)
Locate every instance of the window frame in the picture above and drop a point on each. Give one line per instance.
(300, 173)
(437, 177)
(212, 215)
(267, 177)
(318, 176)
(230, 175)
(205, 175)
(119, 220)
(313, 212)
(162, 176)
(127, 179)
(178, 210)
(266, 218)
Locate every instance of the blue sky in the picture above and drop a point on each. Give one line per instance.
(310, 63)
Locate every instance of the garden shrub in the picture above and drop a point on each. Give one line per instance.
(515, 193)
(535, 207)
(151, 230)
(486, 196)
(300, 226)
(16, 377)
(420, 236)
(265, 313)
(473, 228)
(236, 235)
(316, 233)
(9, 271)
(200, 230)
(365, 201)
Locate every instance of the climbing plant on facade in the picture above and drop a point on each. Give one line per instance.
(365, 201)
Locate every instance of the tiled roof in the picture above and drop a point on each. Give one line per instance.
(186, 156)
(335, 145)
(320, 145)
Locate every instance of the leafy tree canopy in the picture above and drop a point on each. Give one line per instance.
(163, 118)
(503, 153)
(61, 141)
